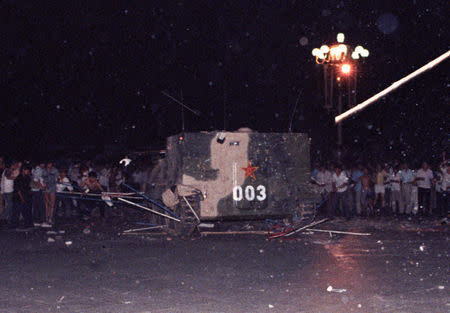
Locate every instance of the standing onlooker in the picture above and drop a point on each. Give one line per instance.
(315, 170)
(387, 186)
(92, 185)
(74, 173)
(324, 181)
(396, 196)
(22, 200)
(444, 200)
(424, 180)
(356, 178)
(407, 177)
(340, 182)
(366, 192)
(37, 185)
(104, 174)
(7, 183)
(50, 179)
(2, 168)
(380, 177)
(63, 184)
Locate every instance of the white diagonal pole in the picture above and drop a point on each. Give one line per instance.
(394, 86)
(150, 210)
(190, 207)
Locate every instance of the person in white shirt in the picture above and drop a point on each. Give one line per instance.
(2, 168)
(74, 173)
(396, 196)
(37, 185)
(387, 185)
(324, 181)
(7, 186)
(424, 179)
(63, 184)
(407, 177)
(104, 176)
(340, 184)
(444, 195)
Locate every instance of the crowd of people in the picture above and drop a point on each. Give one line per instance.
(383, 189)
(33, 194)
(29, 191)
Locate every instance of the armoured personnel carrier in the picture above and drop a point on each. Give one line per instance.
(210, 176)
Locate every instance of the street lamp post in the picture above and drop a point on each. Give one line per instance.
(339, 64)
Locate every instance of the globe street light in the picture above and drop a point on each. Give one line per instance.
(339, 65)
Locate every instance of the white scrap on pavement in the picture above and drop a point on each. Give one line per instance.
(331, 289)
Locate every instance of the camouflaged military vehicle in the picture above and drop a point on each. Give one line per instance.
(237, 175)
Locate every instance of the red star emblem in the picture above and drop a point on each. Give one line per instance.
(250, 170)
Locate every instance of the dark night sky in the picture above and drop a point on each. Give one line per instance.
(92, 72)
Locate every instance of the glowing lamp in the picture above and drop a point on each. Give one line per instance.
(340, 37)
(324, 49)
(337, 53)
(346, 68)
(359, 49)
(315, 52)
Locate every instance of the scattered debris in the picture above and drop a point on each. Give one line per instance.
(206, 225)
(338, 232)
(143, 234)
(290, 230)
(244, 232)
(331, 289)
(143, 228)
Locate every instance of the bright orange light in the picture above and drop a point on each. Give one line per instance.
(346, 68)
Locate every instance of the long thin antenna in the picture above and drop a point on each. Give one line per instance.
(182, 114)
(293, 112)
(225, 100)
(180, 103)
(391, 88)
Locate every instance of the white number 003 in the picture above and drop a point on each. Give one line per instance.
(249, 193)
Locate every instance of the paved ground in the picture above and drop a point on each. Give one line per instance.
(401, 267)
